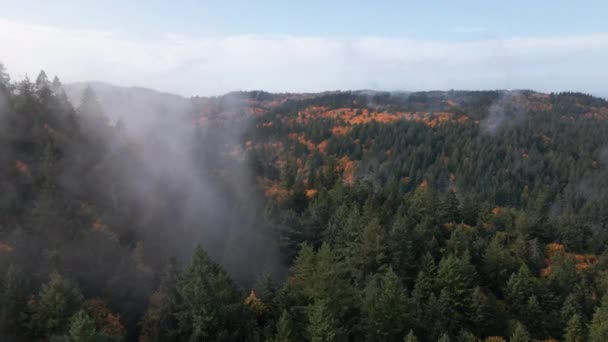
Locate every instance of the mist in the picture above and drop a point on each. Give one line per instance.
(508, 110)
(188, 185)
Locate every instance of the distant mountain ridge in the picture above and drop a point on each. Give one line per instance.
(123, 102)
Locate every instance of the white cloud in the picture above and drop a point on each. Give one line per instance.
(211, 66)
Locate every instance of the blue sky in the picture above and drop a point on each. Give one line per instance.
(417, 19)
(209, 47)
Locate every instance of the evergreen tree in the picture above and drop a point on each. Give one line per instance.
(55, 304)
(425, 283)
(444, 338)
(368, 254)
(385, 308)
(410, 337)
(5, 79)
(285, 330)
(520, 287)
(449, 210)
(401, 246)
(457, 279)
(598, 329)
(575, 331)
(82, 328)
(322, 324)
(210, 307)
(520, 334)
(467, 336)
(12, 300)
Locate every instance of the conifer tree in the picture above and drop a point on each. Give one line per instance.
(575, 330)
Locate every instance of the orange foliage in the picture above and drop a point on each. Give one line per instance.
(22, 167)
(299, 137)
(554, 248)
(5, 247)
(255, 304)
(347, 166)
(494, 339)
(276, 191)
(358, 116)
(462, 119)
(310, 193)
(109, 322)
(424, 184)
(340, 130)
(496, 211)
(583, 261)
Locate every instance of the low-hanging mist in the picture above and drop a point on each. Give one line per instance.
(181, 175)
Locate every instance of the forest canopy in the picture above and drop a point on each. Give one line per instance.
(338, 216)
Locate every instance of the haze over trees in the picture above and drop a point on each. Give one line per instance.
(342, 216)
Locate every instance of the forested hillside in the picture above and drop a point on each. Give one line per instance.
(339, 216)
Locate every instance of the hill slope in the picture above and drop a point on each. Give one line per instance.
(469, 214)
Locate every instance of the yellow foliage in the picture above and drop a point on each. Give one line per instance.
(494, 339)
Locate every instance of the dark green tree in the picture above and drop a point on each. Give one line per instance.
(51, 310)
(210, 306)
(575, 330)
(385, 308)
(520, 334)
(598, 328)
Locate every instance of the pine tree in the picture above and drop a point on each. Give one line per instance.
(484, 316)
(322, 324)
(570, 308)
(402, 249)
(575, 331)
(444, 338)
(520, 334)
(410, 337)
(467, 336)
(55, 304)
(426, 280)
(89, 104)
(285, 329)
(385, 308)
(12, 300)
(534, 317)
(368, 254)
(43, 87)
(321, 276)
(169, 300)
(598, 329)
(159, 322)
(210, 306)
(449, 208)
(5, 79)
(56, 86)
(457, 278)
(520, 287)
(82, 328)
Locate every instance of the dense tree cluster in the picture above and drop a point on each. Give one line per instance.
(397, 230)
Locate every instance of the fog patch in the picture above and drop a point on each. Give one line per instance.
(510, 109)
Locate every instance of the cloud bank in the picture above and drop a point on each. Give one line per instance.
(280, 63)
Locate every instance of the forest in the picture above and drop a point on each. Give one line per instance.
(337, 216)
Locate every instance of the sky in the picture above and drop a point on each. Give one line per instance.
(212, 47)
